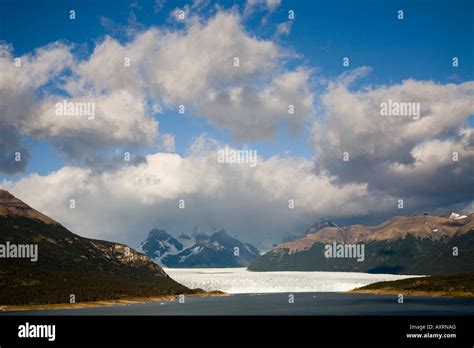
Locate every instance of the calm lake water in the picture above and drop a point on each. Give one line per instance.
(278, 304)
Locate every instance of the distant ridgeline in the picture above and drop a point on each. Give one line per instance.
(402, 245)
(42, 262)
(200, 250)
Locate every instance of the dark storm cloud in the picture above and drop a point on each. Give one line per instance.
(14, 157)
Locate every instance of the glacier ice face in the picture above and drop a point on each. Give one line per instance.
(241, 281)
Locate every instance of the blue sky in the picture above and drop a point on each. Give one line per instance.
(368, 32)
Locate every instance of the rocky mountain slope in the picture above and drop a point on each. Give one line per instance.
(322, 223)
(402, 245)
(68, 264)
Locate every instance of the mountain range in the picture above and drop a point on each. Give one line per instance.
(68, 264)
(216, 250)
(402, 245)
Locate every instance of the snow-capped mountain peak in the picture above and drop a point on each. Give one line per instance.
(215, 250)
(160, 243)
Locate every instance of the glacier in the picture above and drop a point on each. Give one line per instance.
(242, 281)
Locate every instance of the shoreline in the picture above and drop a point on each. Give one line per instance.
(102, 303)
(460, 286)
(457, 294)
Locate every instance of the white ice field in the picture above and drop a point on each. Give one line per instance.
(241, 281)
